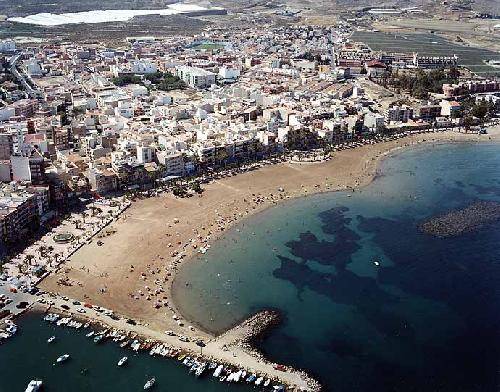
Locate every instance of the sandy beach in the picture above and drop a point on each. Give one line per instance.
(132, 272)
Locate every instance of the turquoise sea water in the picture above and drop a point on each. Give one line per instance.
(426, 319)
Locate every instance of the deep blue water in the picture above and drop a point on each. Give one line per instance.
(426, 319)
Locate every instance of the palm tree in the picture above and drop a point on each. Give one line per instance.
(29, 259)
(42, 250)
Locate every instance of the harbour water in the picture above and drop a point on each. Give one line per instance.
(426, 318)
(91, 367)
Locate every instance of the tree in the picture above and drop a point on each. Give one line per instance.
(481, 109)
(29, 259)
(196, 187)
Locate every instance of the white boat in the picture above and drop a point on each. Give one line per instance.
(200, 369)
(33, 386)
(124, 344)
(259, 381)
(11, 329)
(122, 361)
(90, 334)
(218, 371)
(268, 381)
(149, 384)
(51, 339)
(237, 376)
(62, 358)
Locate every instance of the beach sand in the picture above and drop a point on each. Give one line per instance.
(138, 257)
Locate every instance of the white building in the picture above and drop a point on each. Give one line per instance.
(6, 113)
(374, 122)
(145, 154)
(143, 67)
(228, 75)
(33, 68)
(7, 46)
(172, 161)
(195, 77)
(399, 113)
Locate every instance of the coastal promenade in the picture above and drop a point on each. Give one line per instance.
(133, 271)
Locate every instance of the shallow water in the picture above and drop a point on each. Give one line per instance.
(426, 319)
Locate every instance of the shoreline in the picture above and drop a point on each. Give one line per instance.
(224, 204)
(378, 161)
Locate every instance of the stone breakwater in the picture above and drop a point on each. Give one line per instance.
(458, 222)
(233, 349)
(246, 334)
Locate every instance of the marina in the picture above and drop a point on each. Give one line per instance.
(181, 367)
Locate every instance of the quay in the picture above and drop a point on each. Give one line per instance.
(232, 349)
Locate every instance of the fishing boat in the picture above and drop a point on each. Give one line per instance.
(149, 384)
(122, 361)
(62, 358)
(51, 339)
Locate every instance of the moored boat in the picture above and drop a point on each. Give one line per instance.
(51, 339)
(33, 386)
(98, 338)
(62, 358)
(122, 361)
(149, 384)
(218, 371)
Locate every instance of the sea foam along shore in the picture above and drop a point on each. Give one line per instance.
(158, 234)
(104, 16)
